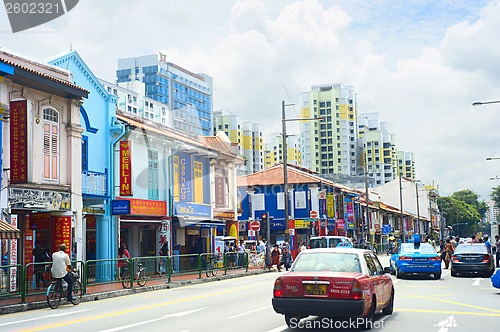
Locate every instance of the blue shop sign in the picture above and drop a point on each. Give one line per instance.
(192, 209)
(350, 225)
(386, 229)
(120, 206)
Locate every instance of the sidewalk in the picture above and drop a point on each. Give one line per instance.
(97, 292)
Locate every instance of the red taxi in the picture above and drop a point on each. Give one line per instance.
(334, 283)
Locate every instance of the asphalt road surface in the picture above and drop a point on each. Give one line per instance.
(244, 304)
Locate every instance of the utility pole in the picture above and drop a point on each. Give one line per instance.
(367, 208)
(401, 207)
(285, 164)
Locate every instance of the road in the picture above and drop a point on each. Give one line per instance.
(244, 304)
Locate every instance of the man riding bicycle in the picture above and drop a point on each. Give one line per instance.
(60, 265)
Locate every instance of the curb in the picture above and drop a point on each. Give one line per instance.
(13, 308)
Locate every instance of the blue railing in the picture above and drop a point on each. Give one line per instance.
(95, 183)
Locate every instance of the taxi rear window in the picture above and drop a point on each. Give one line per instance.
(327, 261)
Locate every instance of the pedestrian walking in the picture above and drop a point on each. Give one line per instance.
(487, 243)
(442, 251)
(286, 255)
(164, 252)
(497, 254)
(449, 251)
(275, 258)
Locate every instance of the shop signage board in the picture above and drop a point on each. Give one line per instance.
(125, 169)
(192, 209)
(330, 208)
(146, 207)
(220, 191)
(224, 214)
(13, 256)
(120, 206)
(163, 235)
(185, 178)
(19, 141)
(62, 232)
(42, 199)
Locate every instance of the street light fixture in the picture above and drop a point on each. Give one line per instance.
(479, 103)
(285, 154)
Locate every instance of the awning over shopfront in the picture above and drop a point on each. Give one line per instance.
(183, 221)
(7, 231)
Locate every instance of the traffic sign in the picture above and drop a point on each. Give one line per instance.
(314, 214)
(254, 225)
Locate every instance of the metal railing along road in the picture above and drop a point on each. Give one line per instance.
(18, 281)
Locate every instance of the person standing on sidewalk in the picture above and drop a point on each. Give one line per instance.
(241, 253)
(449, 251)
(41, 255)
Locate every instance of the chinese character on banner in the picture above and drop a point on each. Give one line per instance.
(163, 236)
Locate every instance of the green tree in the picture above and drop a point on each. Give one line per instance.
(470, 197)
(463, 217)
(495, 195)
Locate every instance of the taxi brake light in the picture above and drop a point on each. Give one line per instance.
(454, 258)
(278, 292)
(486, 259)
(356, 290)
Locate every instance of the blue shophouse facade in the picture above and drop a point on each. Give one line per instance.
(100, 130)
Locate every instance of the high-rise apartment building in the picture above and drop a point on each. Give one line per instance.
(133, 100)
(247, 135)
(330, 146)
(188, 95)
(406, 164)
(379, 148)
(492, 218)
(274, 150)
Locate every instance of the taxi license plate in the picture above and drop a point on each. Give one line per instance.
(315, 289)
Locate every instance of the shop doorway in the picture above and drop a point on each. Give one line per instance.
(148, 242)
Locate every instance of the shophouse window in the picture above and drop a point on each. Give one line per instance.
(152, 174)
(50, 144)
(85, 153)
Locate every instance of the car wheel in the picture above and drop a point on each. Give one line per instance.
(437, 276)
(390, 307)
(399, 275)
(453, 273)
(368, 321)
(292, 321)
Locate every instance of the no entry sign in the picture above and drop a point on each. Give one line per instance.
(254, 225)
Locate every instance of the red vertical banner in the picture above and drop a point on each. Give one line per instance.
(28, 241)
(18, 141)
(220, 191)
(62, 232)
(125, 169)
(293, 238)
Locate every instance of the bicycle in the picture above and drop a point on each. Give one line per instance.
(212, 268)
(140, 276)
(56, 291)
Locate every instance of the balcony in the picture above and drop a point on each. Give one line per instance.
(95, 183)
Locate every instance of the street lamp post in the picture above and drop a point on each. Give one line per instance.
(285, 154)
(479, 103)
(401, 207)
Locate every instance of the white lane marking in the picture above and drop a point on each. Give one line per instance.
(178, 314)
(249, 312)
(477, 281)
(447, 323)
(46, 316)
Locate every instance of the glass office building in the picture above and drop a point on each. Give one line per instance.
(189, 95)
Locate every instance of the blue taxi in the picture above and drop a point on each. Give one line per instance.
(416, 258)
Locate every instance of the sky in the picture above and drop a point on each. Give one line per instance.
(419, 63)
